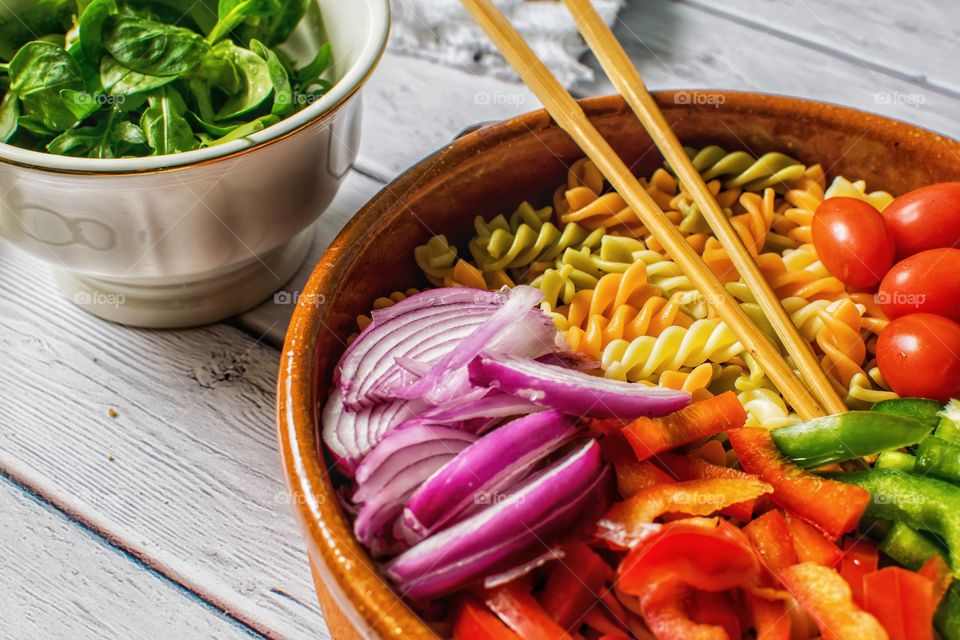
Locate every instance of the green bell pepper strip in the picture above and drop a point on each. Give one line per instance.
(940, 458)
(921, 502)
(947, 619)
(846, 436)
(921, 409)
(949, 426)
(909, 547)
(896, 460)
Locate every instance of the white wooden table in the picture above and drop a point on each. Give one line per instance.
(170, 519)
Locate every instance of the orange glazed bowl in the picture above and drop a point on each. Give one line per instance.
(487, 172)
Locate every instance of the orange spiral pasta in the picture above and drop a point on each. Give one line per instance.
(804, 197)
(752, 227)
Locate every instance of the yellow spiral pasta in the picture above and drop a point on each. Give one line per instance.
(766, 408)
(843, 188)
(676, 347)
(438, 261)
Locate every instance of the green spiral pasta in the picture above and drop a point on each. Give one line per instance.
(529, 237)
(436, 259)
(740, 169)
(675, 348)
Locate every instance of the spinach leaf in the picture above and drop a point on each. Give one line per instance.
(21, 20)
(90, 32)
(166, 129)
(276, 28)
(311, 72)
(34, 125)
(246, 129)
(231, 13)
(112, 137)
(282, 93)
(119, 80)
(80, 103)
(9, 112)
(152, 48)
(211, 128)
(38, 73)
(242, 75)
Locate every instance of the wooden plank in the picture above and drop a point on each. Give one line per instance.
(412, 107)
(60, 581)
(270, 319)
(186, 476)
(678, 45)
(916, 40)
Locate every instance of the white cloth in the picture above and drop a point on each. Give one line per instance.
(442, 31)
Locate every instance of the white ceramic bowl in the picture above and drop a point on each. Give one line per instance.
(191, 238)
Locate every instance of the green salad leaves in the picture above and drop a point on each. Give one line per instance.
(117, 78)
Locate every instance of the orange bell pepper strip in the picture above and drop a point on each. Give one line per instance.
(824, 593)
(692, 468)
(632, 474)
(650, 436)
(770, 536)
(833, 507)
(473, 621)
(810, 544)
(903, 602)
(521, 612)
(771, 618)
(662, 605)
(706, 553)
(860, 557)
(575, 584)
(693, 497)
(938, 572)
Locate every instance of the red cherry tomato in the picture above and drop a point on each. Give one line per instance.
(923, 283)
(919, 356)
(927, 218)
(853, 241)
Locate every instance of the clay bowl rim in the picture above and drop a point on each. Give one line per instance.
(347, 570)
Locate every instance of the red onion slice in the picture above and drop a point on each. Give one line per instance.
(395, 468)
(571, 391)
(474, 413)
(490, 466)
(438, 298)
(350, 434)
(516, 327)
(500, 537)
(502, 532)
(511, 574)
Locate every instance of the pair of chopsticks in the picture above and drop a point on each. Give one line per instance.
(570, 117)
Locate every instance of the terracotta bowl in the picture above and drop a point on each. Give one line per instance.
(488, 172)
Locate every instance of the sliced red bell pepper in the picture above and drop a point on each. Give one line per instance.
(521, 612)
(600, 620)
(860, 557)
(632, 474)
(902, 601)
(575, 584)
(694, 497)
(662, 605)
(938, 572)
(826, 596)
(706, 553)
(716, 608)
(810, 544)
(650, 436)
(771, 618)
(770, 536)
(473, 621)
(693, 468)
(833, 507)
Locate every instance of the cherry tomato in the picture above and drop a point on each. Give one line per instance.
(926, 282)
(919, 356)
(927, 218)
(853, 241)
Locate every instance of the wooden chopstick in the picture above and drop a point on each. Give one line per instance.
(571, 118)
(625, 77)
